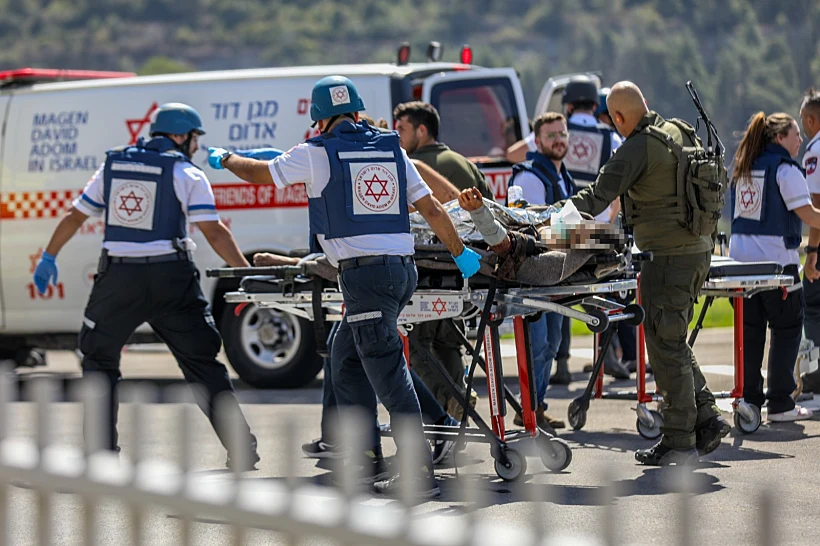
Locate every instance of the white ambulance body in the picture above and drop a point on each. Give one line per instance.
(55, 135)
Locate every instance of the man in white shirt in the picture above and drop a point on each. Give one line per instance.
(810, 120)
(359, 183)
(147, 193)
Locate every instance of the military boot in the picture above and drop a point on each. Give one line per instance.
(561, 375)
(811, 382)
(661, 455)
(709, 434)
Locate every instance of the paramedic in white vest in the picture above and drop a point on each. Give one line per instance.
(359, 182)
(770, 200)
(147, 193)
(810, 119)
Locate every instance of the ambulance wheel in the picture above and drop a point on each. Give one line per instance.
(576, 415)
(270, 349)
(636, 310)
(603, 321)
(650, 432)
(748, 424)
(555, 452)
(515, 468)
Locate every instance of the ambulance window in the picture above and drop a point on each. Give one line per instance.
(554, 104)
(479, 117)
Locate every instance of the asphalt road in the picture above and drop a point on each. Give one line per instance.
(642, 509)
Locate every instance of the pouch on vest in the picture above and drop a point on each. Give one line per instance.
(700, 189)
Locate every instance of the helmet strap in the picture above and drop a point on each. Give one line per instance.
(333, 120)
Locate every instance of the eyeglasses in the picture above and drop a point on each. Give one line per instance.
(557, 134)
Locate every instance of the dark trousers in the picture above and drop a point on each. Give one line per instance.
(367, 357)
(440, 342)
(566, 339)
(811, 293)
(627, 337)
(669, 286)
(431, 410)
(168, 297)
(785, 319)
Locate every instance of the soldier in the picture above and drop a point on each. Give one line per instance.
(644, 171)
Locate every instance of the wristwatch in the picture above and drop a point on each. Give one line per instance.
(810, 249)
(225, 156)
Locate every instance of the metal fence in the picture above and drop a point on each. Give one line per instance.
(285, 510)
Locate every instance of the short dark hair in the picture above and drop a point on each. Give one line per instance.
(811, 100)
(546, 118)
(420, 113)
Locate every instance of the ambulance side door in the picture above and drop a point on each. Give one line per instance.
(5, 102)
(549, 100)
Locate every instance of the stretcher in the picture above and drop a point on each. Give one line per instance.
(726, 279)
(296, 290)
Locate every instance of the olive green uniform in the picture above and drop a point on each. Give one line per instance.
(460, 171)
(436, 336)
(644, 171)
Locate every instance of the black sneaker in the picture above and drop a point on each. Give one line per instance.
(376, 470)
(442, 448)
(248, 465)
(661, 455)
(318, 449)
(426, 486)
(709, 434)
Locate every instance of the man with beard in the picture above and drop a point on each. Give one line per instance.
(417, 124)
(544, 179)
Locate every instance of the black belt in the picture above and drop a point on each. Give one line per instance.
(375, 260)
(163, 258)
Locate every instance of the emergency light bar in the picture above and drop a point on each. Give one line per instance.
(466, 54)
(30, 76)
(404, 54)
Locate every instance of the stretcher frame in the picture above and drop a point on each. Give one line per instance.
(495, 304)
(747, 417)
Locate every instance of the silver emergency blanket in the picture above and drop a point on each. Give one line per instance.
(510, 218)
(570, 248)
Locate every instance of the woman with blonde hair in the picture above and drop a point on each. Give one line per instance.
(770, 200)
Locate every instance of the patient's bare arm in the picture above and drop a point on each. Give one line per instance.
(491, 230)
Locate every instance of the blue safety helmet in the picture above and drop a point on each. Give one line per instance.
(175, 118)
(333, 96)
(602, 107)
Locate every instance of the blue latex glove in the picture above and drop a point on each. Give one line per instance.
(263, 154)
(45, 272)
(468, 262)
(215, 157)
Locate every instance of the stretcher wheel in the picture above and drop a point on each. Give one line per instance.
(576, 415)
(603, 321)
(515, 468)
(636, 310)
(650, 432)
(555, 453)
(747, 419)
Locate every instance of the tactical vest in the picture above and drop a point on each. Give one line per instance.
(589, 147)
(140, 201)
(367, 190)
(757, 204)
(700, 185)
(542, 167)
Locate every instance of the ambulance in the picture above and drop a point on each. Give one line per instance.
(57, 124)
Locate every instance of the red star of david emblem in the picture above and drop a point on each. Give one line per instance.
(135, 207)
(135, 125)
(35, 259)
(747, 197)
(439, 307)
(580, 150)
(382, 191)
(341, 94)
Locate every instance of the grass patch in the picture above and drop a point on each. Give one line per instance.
(719, 315)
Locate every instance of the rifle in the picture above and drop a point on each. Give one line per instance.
(711, 132)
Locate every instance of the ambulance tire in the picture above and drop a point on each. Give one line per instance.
(286, 366)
